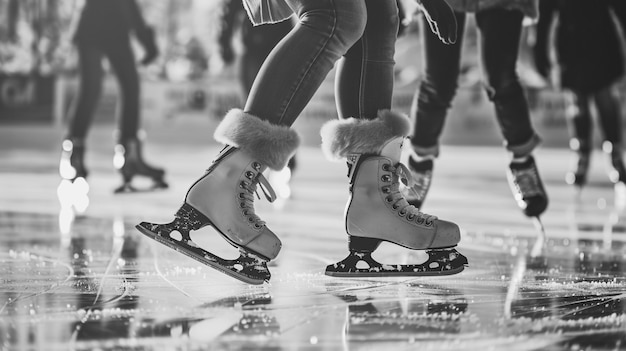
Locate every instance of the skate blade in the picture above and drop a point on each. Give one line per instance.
(440, 262)
(247, 268)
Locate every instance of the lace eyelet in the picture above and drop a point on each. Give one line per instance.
(250, 219)
(241, 195)
(242, 185)
(420, 220)
(249, 175)
(388, 199)
(428, 223)
(257, 226)
(256, 165)
(385, 167)
(402, 213)
(386, 190)
(410, 216)
(385, 178)
(242, 204)
(394, 207)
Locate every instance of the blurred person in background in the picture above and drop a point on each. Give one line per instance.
(103, 30)
(590, 62)
(499, 24)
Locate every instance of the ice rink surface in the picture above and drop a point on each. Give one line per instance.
(76, 275)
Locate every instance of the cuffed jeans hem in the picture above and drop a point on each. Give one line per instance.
(426, 151)
(524, 149)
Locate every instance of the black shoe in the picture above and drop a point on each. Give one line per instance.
(422, 173)
(527, 187)
(128, 160)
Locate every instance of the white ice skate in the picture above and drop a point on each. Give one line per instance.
(376, 210)
(224, 198)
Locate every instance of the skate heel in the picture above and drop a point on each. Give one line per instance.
(363, 245)
(248, 267)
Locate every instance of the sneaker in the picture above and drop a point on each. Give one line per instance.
(527, 187)
(422, 173)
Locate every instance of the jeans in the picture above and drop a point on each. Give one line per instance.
(500, 31)
(257, 43)
(122, 60)
(363, 32)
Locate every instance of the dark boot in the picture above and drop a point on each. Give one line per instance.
(128, 160)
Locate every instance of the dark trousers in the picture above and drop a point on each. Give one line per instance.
(580, 119)
(122, 61)
(499, 41)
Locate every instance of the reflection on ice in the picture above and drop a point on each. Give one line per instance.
(74, 194)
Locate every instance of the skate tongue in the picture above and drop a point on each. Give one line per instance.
(393, 149)
(405, 175)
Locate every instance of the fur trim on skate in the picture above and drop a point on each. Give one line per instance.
(271, 144)
(341, 138)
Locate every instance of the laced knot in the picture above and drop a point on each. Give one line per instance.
(249, 184)
(400, 173)
(527, 182)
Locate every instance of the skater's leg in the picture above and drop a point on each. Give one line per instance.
(437, 90)
(297, 66)
(578, 116)
(72, 163)
(260, 137)
(258, 42)
(89, 89)
(610, 116)
(430, 107)
(122, 60)
(609, 113)
(364, 78)
(224, 197)
(128, 158)
(500, 32)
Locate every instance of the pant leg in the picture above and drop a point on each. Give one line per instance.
(500, 32)
(122, 60)
(364, 80)
(258, 42)
(437, 89)
(579, 120)
(609, 115)
(89, 89)
(298, 65)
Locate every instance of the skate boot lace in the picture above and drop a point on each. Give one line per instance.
(250, 185)
(400, 173)
(421, 184)
(526, 182)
